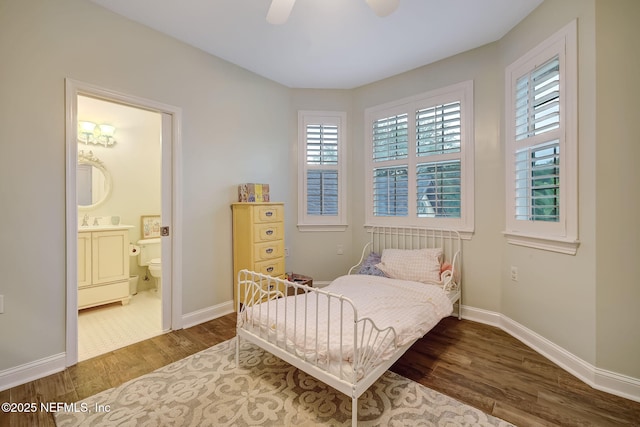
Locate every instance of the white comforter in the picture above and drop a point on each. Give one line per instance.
(410, 308)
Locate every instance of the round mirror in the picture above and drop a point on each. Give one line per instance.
(93, 181)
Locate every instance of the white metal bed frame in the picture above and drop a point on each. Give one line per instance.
(366, 367)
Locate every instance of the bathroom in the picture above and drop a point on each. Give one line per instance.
(127, 165)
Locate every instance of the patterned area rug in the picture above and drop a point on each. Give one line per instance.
(206, 389)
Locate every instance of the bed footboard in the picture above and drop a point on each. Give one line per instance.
(317, 331)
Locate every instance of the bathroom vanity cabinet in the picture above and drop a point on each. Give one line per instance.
(103, 267)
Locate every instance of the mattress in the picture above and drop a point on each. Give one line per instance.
(320, 328)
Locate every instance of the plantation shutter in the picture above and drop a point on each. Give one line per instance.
(537, 163)
(390, 184)
(438, 133)
(538, 182)
(439, 189)
(391, 191)
(322, 169)
(538, 101)
(438, 129)
(391, 138)
(420, 160)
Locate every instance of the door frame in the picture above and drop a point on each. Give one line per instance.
(171, 205)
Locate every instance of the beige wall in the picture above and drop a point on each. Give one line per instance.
(559, 297)
(555, 294)
(44, 42)
(482, 255)
(315, 253)
(617, 189)
(581, 303)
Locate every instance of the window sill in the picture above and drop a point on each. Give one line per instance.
(322, 227)
(552, 244)
(465, 235)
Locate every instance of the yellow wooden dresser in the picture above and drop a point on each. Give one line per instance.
(258, 240)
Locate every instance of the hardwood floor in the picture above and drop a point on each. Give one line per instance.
(474, 363)
(487, 368)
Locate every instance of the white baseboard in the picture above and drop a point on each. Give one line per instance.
(200, 316)
(37, 369)
(481, 316)
(31, 371)
(600, 379)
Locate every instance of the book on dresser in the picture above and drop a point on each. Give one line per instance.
(258, 240)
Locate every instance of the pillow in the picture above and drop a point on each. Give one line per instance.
(369, 265)
(446, 266)
(419, 265)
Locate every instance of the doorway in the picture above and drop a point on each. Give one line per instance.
(99, 106)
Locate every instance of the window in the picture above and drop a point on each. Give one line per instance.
(420, 160)
(322, 193)
(541, 146)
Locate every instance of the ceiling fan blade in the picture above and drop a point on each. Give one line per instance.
(279, 11)
(383, 7)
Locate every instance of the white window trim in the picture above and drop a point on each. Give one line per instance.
(464, 93)
(562, 236)
(318, 222)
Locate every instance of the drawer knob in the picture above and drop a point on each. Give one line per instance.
(269, 213)
(269, 250)
(269, 232)
(269, 269)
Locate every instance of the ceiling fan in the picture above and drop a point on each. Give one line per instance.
(280, 10)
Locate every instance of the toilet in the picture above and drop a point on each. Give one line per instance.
(150, 257)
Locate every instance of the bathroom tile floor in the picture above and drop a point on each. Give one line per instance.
(109, 327)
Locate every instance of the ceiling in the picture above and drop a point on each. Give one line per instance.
(337, 44)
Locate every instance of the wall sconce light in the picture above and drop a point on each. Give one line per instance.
(98, 134)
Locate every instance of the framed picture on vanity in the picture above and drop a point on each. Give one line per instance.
(150, 226)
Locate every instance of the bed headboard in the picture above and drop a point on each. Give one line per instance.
(381, 238)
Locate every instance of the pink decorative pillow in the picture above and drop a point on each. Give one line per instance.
(446, 266)
(419, 265)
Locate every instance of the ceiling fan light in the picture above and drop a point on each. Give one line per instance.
(279, 11)
(383, 7)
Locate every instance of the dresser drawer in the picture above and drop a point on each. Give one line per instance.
(274, 267)
(267, 232)
(269, 213)
(268, 250)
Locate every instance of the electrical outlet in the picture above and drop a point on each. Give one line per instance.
(286, 251)
(340, 250)
(1, 304)
(514, 273)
